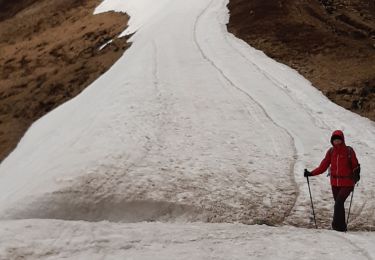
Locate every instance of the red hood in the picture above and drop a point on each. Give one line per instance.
(338, 133)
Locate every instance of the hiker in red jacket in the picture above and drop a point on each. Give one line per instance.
(344, 172)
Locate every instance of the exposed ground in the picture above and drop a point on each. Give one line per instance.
(49, 52)
(331, 43)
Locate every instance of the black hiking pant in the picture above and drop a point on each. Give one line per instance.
(340, 194)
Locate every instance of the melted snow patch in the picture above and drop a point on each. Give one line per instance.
(72, 207)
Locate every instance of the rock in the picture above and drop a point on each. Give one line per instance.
(345, 91)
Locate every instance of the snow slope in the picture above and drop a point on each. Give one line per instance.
(191, 124)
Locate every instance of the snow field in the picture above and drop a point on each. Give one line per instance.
(190, 125)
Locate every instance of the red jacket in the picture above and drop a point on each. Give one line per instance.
(341, 167)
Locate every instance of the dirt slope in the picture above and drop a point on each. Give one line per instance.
(331, 43)
(49, 52)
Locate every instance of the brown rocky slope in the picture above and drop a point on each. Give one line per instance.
(330, 42)
(49, 52)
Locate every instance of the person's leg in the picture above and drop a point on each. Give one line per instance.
(339, 222)
(335, 192)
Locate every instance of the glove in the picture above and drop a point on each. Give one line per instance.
(356, 174)
(306, 173)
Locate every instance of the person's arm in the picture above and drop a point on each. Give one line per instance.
(323, 165)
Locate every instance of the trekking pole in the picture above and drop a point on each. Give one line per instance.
(350, 205)
(312, 204)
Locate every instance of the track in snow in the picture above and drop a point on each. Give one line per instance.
(294, 169)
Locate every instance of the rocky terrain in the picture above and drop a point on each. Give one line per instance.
(49, 52)
(330, 42)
